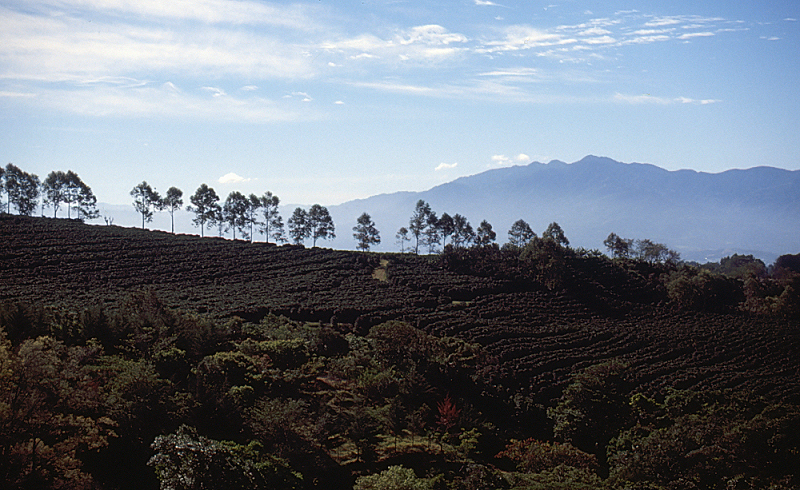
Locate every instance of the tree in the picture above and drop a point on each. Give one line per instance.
(402, 238)
(446, 227)
(272, 220)
(172, 202)
(365, 232)
(463, 234)
(520, 233)
(53, 190)
(234, 212)
(320, 224)
(146, 201)
(618, 246)
(654, 253)
(432, 232)
(299, 228)
(419, 221)
(205, 206)
(22, 190)
(251, 214)
(81, 197)
(555, 233)
(485, 234)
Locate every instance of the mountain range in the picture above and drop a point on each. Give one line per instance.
(704, 216)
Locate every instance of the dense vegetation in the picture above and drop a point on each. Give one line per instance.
(134, 359)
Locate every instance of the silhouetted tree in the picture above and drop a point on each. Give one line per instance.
(446, 227)
(365, 232)
(618, 246)
(463, 234)
(402, 238)
(520, 233)
(555, 233)
(299, 228)
(22, 190)
(78, 195)
(272, 219)
(172, 202)
(53, 190)
(146, 201)
(418, 222)
(234, 212)
(205, 206)
(485, 235)
(320, 224)
(432, 232)
(251, 214)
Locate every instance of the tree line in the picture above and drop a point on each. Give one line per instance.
(23, 190)
(250, 214)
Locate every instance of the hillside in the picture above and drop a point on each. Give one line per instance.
(315, 368)
(539, 336)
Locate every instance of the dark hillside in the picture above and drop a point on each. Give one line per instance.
(538, 336)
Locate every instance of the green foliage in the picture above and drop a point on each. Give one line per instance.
(698, 289)
(708, 440)
(394, 478)
(186, 460)
(593, 407)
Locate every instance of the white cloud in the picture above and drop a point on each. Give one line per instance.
(485, 3)
(695, 34)
(250, 88)
(446, 166)
(522, 158)
(232, 178)
(339, 102)
(520, 37)
(4, 93)
(305, 96)
(650, 99)
(215, 92)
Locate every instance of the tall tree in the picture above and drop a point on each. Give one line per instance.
(365, 232)
(251, 214)
(53, 190)
(272, 219)
(172, 202)
(22, 189)
(432, 237)
(618, 246)
(204, 206)
(446, 227)
(520, 233)
(146, 201)
(234, 212)
(463, 234)
(320, 224)
(402, 238)
(299, 228)
(418, 222)
(555, 233)
(485, 234)
(80, 196)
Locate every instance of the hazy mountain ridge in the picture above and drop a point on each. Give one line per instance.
(751, 210)
(702, 215)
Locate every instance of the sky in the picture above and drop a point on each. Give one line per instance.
(326, 101)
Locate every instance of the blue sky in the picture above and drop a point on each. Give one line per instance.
(324, 101)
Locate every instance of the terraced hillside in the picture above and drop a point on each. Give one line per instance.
(537, 336)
